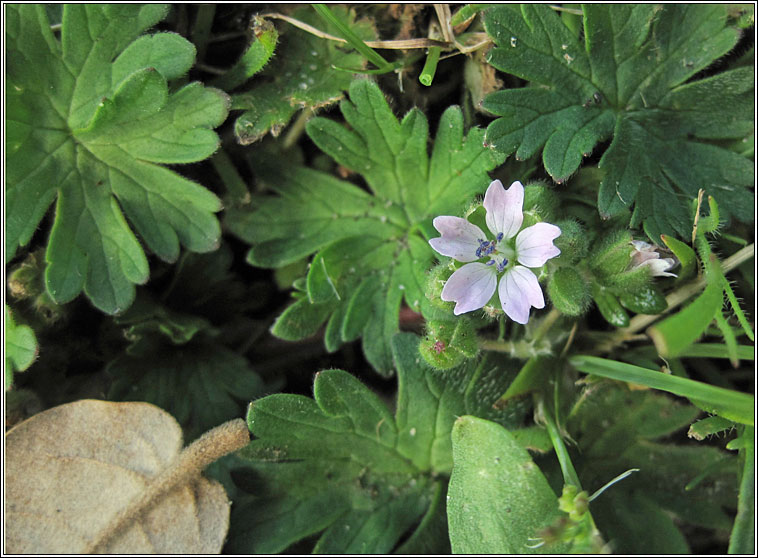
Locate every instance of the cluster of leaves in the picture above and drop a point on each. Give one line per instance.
(617, 429)
(371, 249)
(92, 120)
(341, 463)
(629, 80)
(97, 109)
(181, 360)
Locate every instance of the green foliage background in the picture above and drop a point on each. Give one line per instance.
(216, 208)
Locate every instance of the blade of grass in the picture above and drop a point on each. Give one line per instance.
(742, 539)
(716, 350)
(355, 41)
(730, 404)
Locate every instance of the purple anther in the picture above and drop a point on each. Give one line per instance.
(490, 262)
(499, 237)
(501, 265)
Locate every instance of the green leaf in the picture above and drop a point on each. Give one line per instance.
(20, 347)
(90, 120)
(684, 254)
(677, 332)
(709, 426)
(498, 498)
(742, 539)
(342, 459)
(303, 78)
(617, 429)
(201, 383)
(634, 524)
(370, 252)
(645, 300)
(609, 306)
(714, 350)
(627, 81)
(256, 56)
(730, 404)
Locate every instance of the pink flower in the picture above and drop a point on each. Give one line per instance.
(645, 255)
(472, 285)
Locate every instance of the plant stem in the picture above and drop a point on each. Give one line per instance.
(430, 66)
(297, 128)
(236, 188)
(546, 324)
(567, 467)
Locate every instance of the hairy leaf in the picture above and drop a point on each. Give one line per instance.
(371, 248)
(498, 498)
(91, 119)
(627, 81)
(201, 383)
(617, 429)
(303, 76)
(342, 464)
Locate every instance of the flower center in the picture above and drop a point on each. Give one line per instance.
(487, 247)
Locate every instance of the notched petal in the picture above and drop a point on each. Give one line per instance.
(519, 290)
(534, 245)
(504, 208)
(470, 287)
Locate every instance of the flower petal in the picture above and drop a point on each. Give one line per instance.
(459, 239)
(519, 290)
(470, 287)
(659, 267)
(534, 245)
(504, 208)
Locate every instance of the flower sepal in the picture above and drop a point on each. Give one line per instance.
(435, 282)
(611, 254)
(448, 343)
(646, 300)
(541, 200)
(569, 292)
(572, 243)
(609, 306)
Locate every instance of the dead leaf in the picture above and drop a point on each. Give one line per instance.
(103, 477)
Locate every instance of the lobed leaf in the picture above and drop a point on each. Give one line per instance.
(89, 118)
(370, 254)
(342, 459)
(627, 82)
(617, 429)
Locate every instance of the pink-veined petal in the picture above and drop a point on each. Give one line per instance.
(470, 287)
(519, 290)
(504, 208)
(534, 245)
(459, 239)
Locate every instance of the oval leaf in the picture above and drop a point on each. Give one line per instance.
(498, 498)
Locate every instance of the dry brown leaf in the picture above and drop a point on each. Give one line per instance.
(103, 477)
